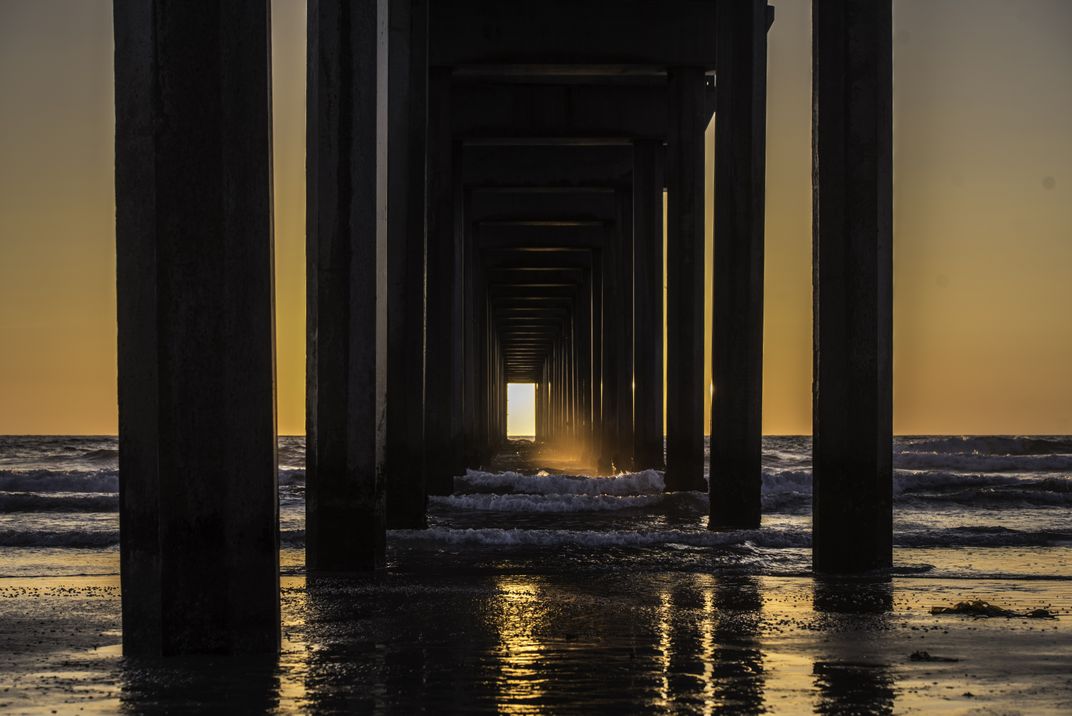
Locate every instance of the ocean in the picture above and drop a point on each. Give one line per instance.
(992, 507)
(558, 593)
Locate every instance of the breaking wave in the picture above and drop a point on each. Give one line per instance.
(546, 503)
(766, 538)
(987, 444)
(647, 482)
(79, 539)
(58, 502)
(58, 481)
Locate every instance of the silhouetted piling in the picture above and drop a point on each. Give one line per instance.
(648, 303)
(198, 507)
(685, 280)
(737, 327)
(346, 250)
(853, 226)
(407, 90)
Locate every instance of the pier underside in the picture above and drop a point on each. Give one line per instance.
(487, 190)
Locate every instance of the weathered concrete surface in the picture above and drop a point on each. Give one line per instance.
(737, 335)
(196, 354)
(853, 249)
(346, 285)
(407, 89)
(685, 281)
(648, 304)
(443, 367)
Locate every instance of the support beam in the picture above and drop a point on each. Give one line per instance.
(443, 371)
(648, 303)
(346, 284)
(406, 140)
(737, 334)
(853, 228)
(198, 505)
(622, 311)
(685, 281)
(631, 33)
(503, 110)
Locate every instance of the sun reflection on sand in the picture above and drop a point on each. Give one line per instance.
(518, 616)
(294, 651)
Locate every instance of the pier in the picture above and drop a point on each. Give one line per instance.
(485, 197)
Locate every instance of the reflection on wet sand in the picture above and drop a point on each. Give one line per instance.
(710, 660)
(611, 641)
(848, 677)
(234, 684)
(517, 616)
(738, 662)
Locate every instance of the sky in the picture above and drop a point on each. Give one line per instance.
(982, 211)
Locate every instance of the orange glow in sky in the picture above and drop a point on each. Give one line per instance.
(983, 217)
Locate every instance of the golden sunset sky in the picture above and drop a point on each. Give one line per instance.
(983, 217)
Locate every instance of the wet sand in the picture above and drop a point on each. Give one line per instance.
(493, 638)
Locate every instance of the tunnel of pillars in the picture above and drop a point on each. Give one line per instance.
(485, 189)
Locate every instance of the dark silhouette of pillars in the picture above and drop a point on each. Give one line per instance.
(599, 417)
(443, 369)
(648, 304)
(470, 328)
(853, 226)
(347, 278)
(625, 337)
(406, 141)
(196, 357)
(613, 338)
(685, 280)
(737, 340)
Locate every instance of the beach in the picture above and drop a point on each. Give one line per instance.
(513, 642)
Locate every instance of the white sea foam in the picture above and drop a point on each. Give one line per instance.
(647, 482)
(545, 503)
(593, 538)
(767, 538)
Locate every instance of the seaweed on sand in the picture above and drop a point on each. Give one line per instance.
(982, 609)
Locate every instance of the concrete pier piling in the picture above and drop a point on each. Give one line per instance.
(685, 279)
(198, 507)
(347, 238)
(648, 303)
(853, 314)
(737, 325)
(407, 121)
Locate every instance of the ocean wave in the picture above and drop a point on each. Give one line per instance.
(986, 444)
(983, 536)
(977, 462)
(916, 481)
(99, 481)
(646, 482)
(59, 481)
(789, 488)
(58, 502)
(768, 538)
(291, 476)
(547, 503)
(491, 536)
(101, 455)
(77, 539)
(771, 538)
